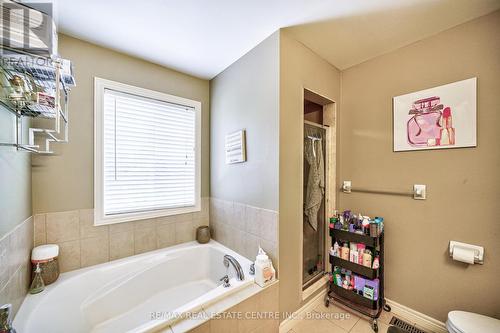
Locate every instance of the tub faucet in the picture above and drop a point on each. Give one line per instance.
(5, 320)
(231, 260)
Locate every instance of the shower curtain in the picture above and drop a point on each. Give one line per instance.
(313, 152)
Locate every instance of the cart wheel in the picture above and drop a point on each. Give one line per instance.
(327, 301)
(387, 308)
(375, 325)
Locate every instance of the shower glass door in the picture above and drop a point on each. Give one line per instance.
(314, 215)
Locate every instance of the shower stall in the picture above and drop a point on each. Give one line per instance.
(314, 199)
(318, 188)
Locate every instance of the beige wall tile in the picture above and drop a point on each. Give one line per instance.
(144, 224)
(87, 228)
(227, 214)
(69, 255)
(16, 289)
(271, 250)
(144, 239)
(238, 216)
(166, 235)
(269, 303)
(21, 243)
(121, 227)
(40, 231)
(268, 225)
(238, 239)
(223, 235)
(184, 232)
(5, 261)
(94, 250)
(225, 324)
(252, 225)
(251, 248)
(247, 307)
(214, 210)
(15, 249)
(121, 245)
(62, 226)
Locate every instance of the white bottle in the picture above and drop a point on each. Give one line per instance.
(264, 270)
(336, 250)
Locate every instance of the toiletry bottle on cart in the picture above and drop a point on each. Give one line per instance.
(367, 259)
(264, 270)
(345, 252)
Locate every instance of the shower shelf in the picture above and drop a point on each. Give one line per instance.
(355, 268)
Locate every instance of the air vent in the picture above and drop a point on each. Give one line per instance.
(405, 326)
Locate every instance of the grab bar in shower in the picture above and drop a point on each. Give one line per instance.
(419, 191)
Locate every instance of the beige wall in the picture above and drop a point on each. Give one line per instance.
(244, 203)
(299, 68)
(65, 182)
(245, 96)
(462, 184)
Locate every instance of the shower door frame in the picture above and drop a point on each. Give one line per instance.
(329, 125)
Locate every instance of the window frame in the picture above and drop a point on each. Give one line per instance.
(100, 85)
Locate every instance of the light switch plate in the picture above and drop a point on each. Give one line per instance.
(419, 192)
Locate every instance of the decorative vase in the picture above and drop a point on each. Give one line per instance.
(203, 234)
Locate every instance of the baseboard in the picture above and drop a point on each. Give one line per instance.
(287, 324)
(411, 316)
(419, 319)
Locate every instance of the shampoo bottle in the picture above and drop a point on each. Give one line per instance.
(264, 270)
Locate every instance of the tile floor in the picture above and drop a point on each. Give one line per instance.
(336, 319)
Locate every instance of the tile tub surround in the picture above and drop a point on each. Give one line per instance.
(15, 250)
(82, 244)
(243, 228)
(255, 314)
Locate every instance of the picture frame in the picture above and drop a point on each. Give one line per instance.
(441, 117)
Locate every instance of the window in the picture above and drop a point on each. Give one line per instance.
(147, 153)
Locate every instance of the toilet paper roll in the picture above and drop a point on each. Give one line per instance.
(463, 254)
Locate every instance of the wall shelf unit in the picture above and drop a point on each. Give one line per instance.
(38, 88)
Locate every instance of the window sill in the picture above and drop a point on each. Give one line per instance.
(130, 217)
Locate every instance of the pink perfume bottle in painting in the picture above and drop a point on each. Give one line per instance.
(424, 127)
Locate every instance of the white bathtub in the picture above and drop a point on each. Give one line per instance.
(124, 295)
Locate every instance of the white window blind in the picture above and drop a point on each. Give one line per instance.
(149, 154)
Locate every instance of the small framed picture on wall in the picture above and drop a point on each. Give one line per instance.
(436, 118)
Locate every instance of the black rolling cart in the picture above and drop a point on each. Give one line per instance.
(349, 298)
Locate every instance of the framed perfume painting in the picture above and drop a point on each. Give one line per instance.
(436, 118)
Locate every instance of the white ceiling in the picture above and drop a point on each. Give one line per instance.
(203, 37)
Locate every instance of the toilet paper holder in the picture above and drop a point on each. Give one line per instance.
(478, 250)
